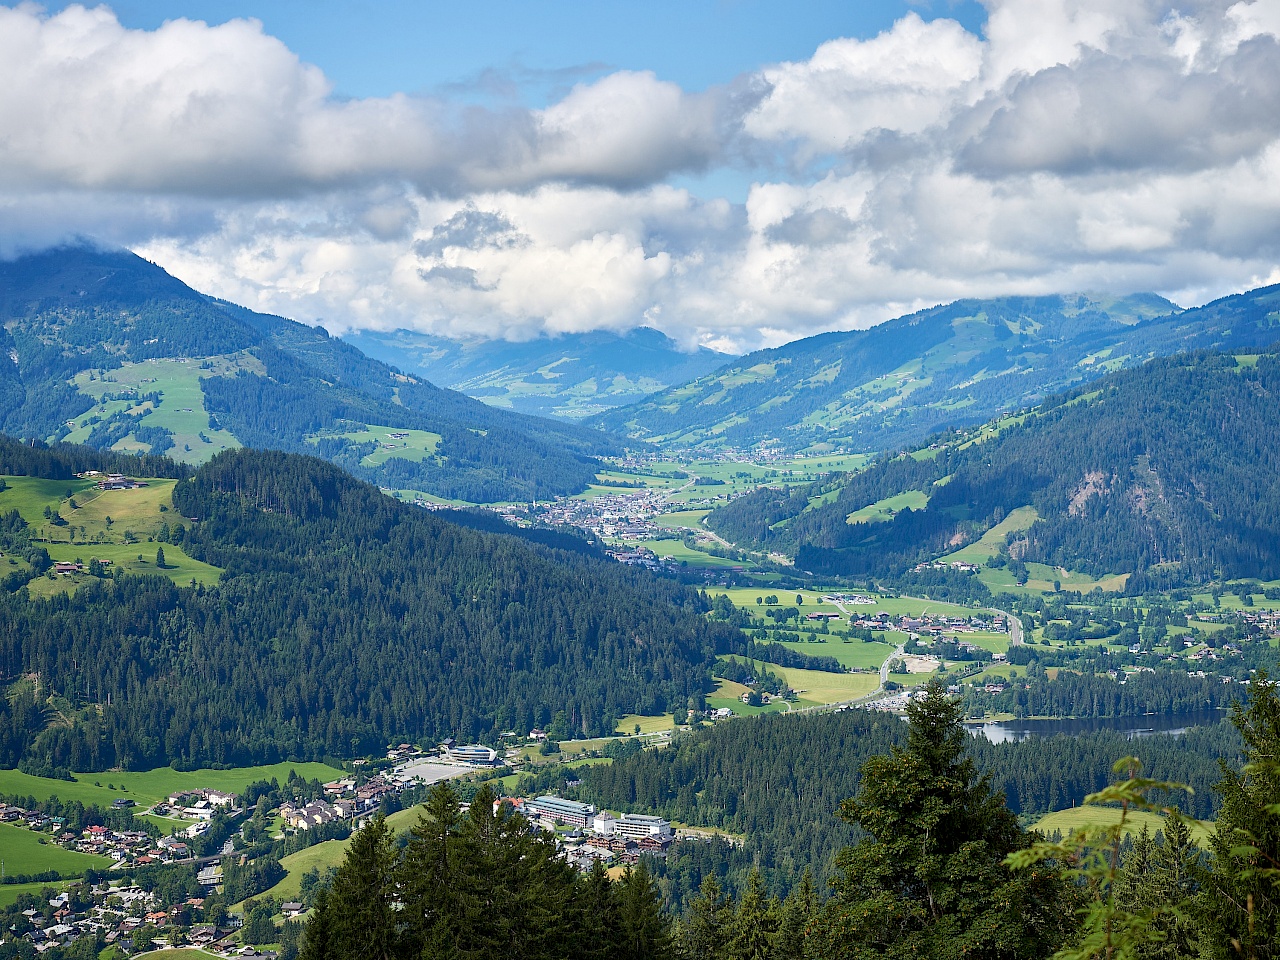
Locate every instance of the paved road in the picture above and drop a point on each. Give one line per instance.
(884, 667)
(1015, 628)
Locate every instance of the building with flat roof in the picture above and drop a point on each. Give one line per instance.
(475, 754)
(559, 810)
(634, 826)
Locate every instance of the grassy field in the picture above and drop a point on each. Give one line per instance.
(657, 724)
(745, 598)
(990, 542)
(819, 687)
(679, 551)
(1041, 579)
(682, 520)
(181, 411)
(729, 694)
(107, 525)
(24, 851)
(322, 856)
(854, 653)
(884, 509)
(146, 787)
(1076, 817)
(412, 445)
(10, 892)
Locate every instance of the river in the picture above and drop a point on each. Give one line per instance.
(1012, 731)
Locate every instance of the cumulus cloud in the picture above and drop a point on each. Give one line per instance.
(229, 111)
(1078, 144)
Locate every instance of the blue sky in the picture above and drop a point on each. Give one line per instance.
(371, 49)
(736, 174)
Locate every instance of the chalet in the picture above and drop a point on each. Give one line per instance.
(292, 910)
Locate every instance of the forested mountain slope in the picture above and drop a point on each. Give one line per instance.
(572, 376)
(779, 780)
(108, 349)
(344, 620)
(1172, 466)
(962, 363)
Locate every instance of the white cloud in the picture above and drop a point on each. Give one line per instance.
(1080, 144)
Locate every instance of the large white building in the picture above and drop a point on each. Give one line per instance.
(636, 826)
(558, 810)
(475, 754)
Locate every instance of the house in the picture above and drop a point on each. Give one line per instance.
(292, 909)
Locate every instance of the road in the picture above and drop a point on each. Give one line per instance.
(1015, 628)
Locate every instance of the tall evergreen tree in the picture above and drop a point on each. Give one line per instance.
(362, 903)
(645, 929)
(753, 925)
(1241, 915)
(704, 932)
(929, 882)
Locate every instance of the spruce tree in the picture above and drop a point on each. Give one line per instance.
(1241, 902)
(930, 880)
(797, 911)
(363, 921)
(751, 932)
(704, 932)
(645, 929)
(598, 916)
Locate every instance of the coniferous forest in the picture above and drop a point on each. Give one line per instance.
(1173, 464)
(344, 619)
(937, 866)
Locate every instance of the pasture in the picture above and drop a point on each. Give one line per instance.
(26, 851)
(1084, 816)
(146, 787)
(181, 411)
(411, 445)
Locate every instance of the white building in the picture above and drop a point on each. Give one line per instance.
(474, 754)
(635, 826)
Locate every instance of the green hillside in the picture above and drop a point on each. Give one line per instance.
(1169, 471)
(959, 364)
(110, 351)
(337, 619)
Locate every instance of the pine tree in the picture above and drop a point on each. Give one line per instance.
(930, 880)
(645, 929)
(363, 915)
(1241, 903)
(316, 940)
(704, 933)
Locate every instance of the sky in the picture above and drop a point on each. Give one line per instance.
(734, 173)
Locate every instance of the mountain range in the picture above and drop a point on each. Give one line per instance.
(107, 349)
(572, 375)
(891, 386)
(1168, 471)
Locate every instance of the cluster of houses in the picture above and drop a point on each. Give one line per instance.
(343, 800)
(197, 804)
(598, 835)
(118, 913)
(960, 565)
(112, 481)
(128, 848)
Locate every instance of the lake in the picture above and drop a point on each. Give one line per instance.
(1012, 731)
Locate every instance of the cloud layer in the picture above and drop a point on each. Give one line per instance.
(1081, 144)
